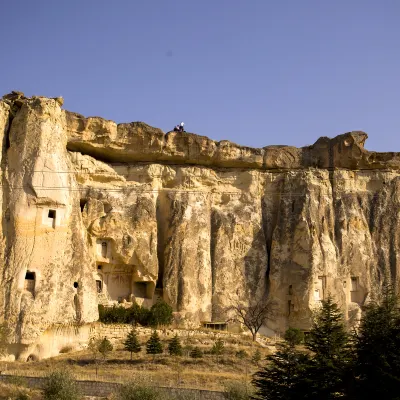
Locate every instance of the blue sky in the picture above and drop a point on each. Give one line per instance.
(255, 72)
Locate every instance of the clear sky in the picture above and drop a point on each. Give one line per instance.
(256, 72)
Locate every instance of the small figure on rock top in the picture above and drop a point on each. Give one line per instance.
(180, 127)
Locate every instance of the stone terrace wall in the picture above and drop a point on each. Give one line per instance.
(117, 332)
(103, 389)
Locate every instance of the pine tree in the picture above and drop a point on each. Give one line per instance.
(378, 350)
(105, 347)
(282, 377)
(329, 342)
(175, 347)
(218, 348)
(196, 353)
(256, 358)
(131, 343)
(153, 345)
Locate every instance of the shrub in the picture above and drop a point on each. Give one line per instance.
(134, 391)
(161, 313)
(175, 347)
(256, 357)
(131, 343)
(66, 349)
(153, 345)
(237, 391)
(196, 353)
(105, 347)
(241, 354)
(294, 336)
(60, 385)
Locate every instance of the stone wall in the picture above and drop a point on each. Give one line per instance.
(103, 389)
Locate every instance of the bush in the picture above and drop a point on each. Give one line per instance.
(134, 391)
(237, 391)
(60, 385)
(256, 357)
(131, 343)
(196, 353)
(241, 354)
(294, 336)
(175, 347)
(105, 347)
(161, 313)
(153, 345)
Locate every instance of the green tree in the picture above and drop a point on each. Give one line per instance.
(377, 347)
(161, 313)
(105, 347)
(61, 385)
(328, 368)
(153, 345)
(175, 347)
(256, 358)
(131, 343)
(294, 336)
(282, 377)
(218, 348)
(196, 353)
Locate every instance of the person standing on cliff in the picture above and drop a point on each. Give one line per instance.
(182, 127)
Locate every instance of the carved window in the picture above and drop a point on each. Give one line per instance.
(30, 279)
(354, 284)
(82, 204)
(290, 291)
(51, 215)
(99, 286)
(104, 249)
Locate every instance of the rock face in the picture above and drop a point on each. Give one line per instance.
(95, 212)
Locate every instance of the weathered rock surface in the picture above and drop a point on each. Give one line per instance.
(95, 212)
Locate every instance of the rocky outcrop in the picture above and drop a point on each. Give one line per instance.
(99, 213)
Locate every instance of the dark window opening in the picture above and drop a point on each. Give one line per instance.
(82, 204)
(142, 289)
(293, 206)
(99, 267)
(76, 285)
(52, 214)
(29, 285)
(104, 249)
(99, 286)
(290, 290)
(30, 276)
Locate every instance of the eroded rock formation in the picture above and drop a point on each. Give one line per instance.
(95, 212)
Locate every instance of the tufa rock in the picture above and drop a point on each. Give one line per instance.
(95, 212)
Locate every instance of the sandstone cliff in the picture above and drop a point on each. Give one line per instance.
(95, 212)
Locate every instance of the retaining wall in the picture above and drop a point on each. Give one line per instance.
(103, 389)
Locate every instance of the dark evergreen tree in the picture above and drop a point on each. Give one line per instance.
(161, 313)
(378, 350)
(105, 347)
(294, 336)
(175, 347)
(326, 374)
(153, 345)
(131, 343)
(218, 348)
(283, 376)
(196, 353)
(256, 358)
